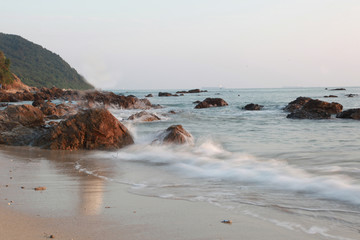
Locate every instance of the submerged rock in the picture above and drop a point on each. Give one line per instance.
(144, 116)
(353, 113)
(90, 129)
(253, 106)
(212, 102)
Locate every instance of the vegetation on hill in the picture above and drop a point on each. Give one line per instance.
(6, 76)
(37, 66)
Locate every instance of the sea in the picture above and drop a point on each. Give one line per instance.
(298, 174)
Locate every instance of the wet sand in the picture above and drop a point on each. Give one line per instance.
(78, 206)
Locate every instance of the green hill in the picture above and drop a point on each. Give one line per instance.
(6, 76)
(37, 66)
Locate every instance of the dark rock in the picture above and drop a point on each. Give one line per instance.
(338, 89)
(165, 94)
(197, 102)
(317, 105)
(144, 117)
(38, 102)
(253, 106)
(90, 129)
(149, 95)
(211, 102)
(351, 95)
(194, 91)
(296, 104)
(350, 113)
(331, 96)
(302, 114)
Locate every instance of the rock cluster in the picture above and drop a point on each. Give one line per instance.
(307, 108)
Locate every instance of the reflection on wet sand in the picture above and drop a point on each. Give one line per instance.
(77, 186)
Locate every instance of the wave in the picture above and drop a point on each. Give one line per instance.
(210, 161)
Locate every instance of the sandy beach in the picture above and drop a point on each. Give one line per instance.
(78, 206)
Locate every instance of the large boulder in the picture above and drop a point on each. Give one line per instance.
(307, 108)
(212, 102)
(350, 113)
(175, 134)
(296, 104)
(89, 129)
(144, 117)
(26, 115)
(253, 107)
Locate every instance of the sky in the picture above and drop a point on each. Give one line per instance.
(167, 44)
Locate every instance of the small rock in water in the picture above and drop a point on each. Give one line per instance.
(51, 236)
(227, 221)
(107, 207)
(22, 187)
(40, 188)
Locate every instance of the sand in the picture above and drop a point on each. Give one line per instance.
(78, 206)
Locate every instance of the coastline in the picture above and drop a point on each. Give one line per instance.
(91, 208)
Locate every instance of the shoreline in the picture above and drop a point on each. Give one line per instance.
(91, 208)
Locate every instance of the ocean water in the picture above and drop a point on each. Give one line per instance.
(302, 175)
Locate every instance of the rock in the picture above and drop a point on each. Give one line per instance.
(164, 94)
(331, 96)
(38, 102)
(26, 115)
(40, 188)
(353, 113)
(351, 95)
(175, 134)
(149, 95)
(253, 106)
(321, 106)
(144, 117)
(211, 102)
(338, 89)
(89, 129)
(302, 114)
(296, 104)
(194, 91)
(197, 102)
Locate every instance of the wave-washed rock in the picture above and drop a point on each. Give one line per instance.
(307, 108)
(144, 117)
(174, 134)
(353, 113)
(212, 102)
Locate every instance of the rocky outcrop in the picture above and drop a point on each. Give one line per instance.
(253, 107)
(307, 108)
(175, 134)
(296, 104)
(90, 129)
(212, 102)
(353, 113)
(144, 117)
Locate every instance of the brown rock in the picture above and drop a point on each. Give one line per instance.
(90, 129)
(144, 117)
(253, 107)
(297, 104)
(40, 188)
(176, 134)
(211, 102)
(26, 115)
(317, 105)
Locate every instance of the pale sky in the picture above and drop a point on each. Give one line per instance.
(152, 44)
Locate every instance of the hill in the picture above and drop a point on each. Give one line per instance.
(6, 76)
(39, 67)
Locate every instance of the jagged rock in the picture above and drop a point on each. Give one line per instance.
(353, 113)
(253, 106)
(312, 109)
(212, 102)
(144, 117)
(90, 129)
(296, 104)
(175, 134)
(26, 115)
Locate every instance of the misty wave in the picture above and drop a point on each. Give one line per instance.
(209, 160)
